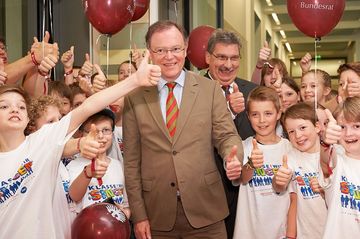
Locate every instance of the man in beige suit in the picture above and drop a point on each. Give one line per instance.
(172, 182)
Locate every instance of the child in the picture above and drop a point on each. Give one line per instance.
(302, 129)
(260, 211)
(84, 189)
(340, 170)
(315, 88)
(28, 169)
(290, 93)
(60, 90)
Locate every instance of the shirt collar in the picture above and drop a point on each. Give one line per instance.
(180, 81)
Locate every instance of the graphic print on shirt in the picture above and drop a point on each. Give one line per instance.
(116, 213)
(98, 193)
(9, 187)
(303, 182)
(263, 176)
(350, 197)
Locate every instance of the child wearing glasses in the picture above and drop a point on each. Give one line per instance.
(103, 177)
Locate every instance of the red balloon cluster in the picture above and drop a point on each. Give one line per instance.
(315, 18)
(111, 16)
(198, 40)
(100, 221)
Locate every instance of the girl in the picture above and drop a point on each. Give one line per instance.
(290, 93)
(28, 171)
(258, 204)
(301, 126)
(340, 170)
(321, 81)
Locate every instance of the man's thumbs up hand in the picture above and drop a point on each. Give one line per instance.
(233, 165)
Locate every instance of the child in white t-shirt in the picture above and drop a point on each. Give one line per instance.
(303, 130)
(29, 164)
(340, 170)
(261, 212)
(85, 189)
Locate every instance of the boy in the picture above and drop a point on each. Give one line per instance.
(258, 204)
(303, 131)
(84, 188)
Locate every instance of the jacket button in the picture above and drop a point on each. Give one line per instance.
(172, 184)
(174, 152)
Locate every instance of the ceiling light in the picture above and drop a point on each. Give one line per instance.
(294, 63)
(288, 47)
(282, 33)
(276, 19)
(269, 3)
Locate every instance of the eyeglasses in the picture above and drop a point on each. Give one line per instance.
(163, 51)
(104, 131)
(223, 58)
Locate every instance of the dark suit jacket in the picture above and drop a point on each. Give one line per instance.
(156, 166)
(245, 130)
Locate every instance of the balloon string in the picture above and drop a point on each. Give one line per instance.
(176, 11)
(316, 76)
(107, 55)
(130, 54)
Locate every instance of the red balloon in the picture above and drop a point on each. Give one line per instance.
(315, 18)
(109, 16)
(100, 221)
(198, 41)
(141, 6)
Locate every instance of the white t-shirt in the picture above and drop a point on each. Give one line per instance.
(113, 183)
(28, 177)
(342, 195)
(311, 207)
(118, 136)
(261, 212)
(116, 149)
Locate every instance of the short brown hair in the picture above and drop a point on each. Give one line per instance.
(263, 93)
(161, 26)
(224, 37)
(14, 88)
(355, 66)
(300, 110)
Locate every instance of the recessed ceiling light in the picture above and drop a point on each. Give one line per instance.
(276, 19)
(282, 33)
(269, 3)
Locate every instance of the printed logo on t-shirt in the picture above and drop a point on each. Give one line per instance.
(303, 181)
(121, 145)
(66, 186)
(98, 193)
(350, 194)
(9, 187)
(116, 213)
(263, 176)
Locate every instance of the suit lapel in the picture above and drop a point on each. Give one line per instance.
(189, 95)
(151, 96)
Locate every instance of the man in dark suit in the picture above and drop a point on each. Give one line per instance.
(173, 185)
(223, 57)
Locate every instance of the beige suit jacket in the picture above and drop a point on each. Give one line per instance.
(156, 166)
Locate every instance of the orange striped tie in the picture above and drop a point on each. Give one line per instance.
(172, 110)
